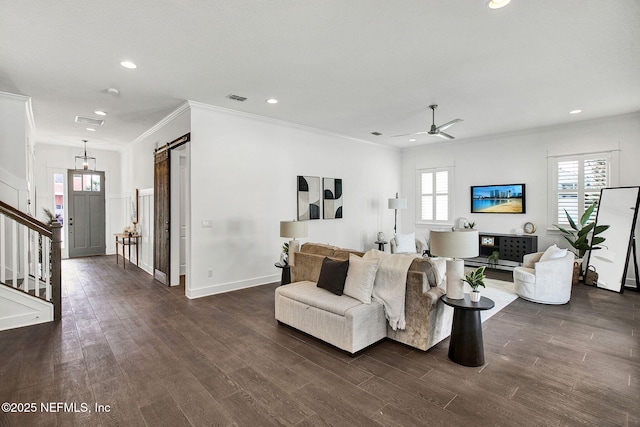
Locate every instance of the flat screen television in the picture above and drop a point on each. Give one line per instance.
(508, 198)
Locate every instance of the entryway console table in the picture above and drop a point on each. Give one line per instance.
(511, 249)
(127, 239)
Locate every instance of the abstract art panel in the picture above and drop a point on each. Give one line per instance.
(308, 197)
(332, 190)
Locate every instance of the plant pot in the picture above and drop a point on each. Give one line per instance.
(577, 271)
(475, 296)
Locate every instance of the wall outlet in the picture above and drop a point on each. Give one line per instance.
(210, 272)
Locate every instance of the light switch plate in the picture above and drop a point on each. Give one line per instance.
(206, 223)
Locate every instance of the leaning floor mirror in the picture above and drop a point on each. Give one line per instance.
(618, 208)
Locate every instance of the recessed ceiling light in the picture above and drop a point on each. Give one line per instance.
(100, 113)
(113, 91)
(412, 140)
(272, 101)
(91, 129)
(497, 4)
(575, 111)
(128, 64)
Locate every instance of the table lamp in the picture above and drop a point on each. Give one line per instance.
(396, 204)
(455, 245)
(293, 229)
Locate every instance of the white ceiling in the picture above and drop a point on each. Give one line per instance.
(349, 67)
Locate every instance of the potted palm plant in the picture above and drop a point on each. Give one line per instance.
(580, 233)
(475, 279)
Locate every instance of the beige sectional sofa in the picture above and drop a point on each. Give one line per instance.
(351, 325)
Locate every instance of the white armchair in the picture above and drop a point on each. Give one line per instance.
(547, 281)
(421, 244)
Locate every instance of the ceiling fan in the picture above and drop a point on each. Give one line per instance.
(436, 130)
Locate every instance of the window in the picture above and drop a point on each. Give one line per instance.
(86, 182)
(434, 198)
(577, 181)
(58, 201)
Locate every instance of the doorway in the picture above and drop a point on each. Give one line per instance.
(86, 213)
(170, 210)
(179, 209)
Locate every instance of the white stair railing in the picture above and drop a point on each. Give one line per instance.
(30, 256)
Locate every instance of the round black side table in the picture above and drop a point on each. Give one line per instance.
(465, 345)
(381, 244)
(286, 273)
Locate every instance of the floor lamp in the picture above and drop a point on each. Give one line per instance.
(455, 245)
(293, 229)
(397, 204)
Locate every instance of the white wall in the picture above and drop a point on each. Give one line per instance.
(243, 173)
(15, 134)
(50, 159)
(520, 157)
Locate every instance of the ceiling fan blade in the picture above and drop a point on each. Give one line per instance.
(449, 124)
(408, 134)
(443, 135)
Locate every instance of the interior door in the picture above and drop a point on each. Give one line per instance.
(86, 213)
(162, 215)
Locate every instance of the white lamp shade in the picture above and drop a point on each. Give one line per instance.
(454, 244)
(293, 229)
(396, 203)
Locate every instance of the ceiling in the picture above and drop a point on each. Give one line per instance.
(348, 67)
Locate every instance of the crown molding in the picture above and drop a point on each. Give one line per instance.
(14, 96)
(182, 108)
(278, 122)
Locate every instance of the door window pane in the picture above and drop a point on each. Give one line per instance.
(77, 182)
(95, 182)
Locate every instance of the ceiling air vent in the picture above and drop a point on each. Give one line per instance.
(376, 133)
(89, 121)
(236, 97)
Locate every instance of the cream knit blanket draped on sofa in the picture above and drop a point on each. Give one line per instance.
(390, 284)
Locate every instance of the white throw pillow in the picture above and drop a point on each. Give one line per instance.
(360, 278)
(553, 252)
(441, 266)
(406, 243)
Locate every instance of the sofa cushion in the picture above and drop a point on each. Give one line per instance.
(333, 275)
(308, 293)
(360, 278)
(524, 274)
(318, 249)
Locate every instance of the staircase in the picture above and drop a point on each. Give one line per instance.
(30, 270)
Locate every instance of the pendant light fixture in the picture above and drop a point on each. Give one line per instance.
(86, 162)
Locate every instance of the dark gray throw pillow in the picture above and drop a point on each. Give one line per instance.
(333, 274)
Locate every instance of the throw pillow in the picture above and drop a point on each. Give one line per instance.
(360, 278)
(441, 266)
(553, 252)
(406, 243)
(333, 275)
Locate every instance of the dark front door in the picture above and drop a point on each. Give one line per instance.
(161, 206)
(86, 213)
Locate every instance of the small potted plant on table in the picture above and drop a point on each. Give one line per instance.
(475, 279)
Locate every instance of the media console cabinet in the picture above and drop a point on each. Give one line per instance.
(511, 249)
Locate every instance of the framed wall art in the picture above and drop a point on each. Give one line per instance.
(332, 193)
(308, 197)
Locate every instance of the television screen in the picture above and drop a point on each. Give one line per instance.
(498, 199)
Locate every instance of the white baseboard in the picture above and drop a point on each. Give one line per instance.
(231, 286)
(19, 309)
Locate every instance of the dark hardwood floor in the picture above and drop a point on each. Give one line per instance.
(159, 359)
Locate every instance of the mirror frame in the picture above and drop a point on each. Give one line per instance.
(615, 284)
